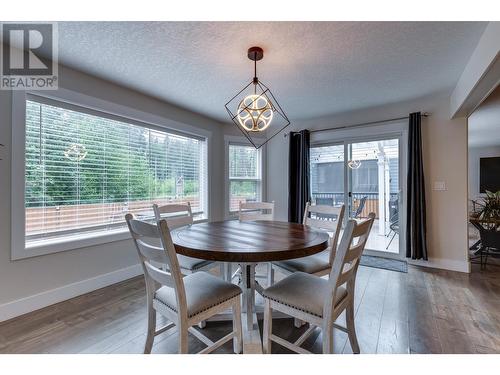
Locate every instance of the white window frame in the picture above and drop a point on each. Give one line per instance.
(18, 241)
(242, 141)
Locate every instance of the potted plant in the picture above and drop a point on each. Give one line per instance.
(487, 210)
(487, 217)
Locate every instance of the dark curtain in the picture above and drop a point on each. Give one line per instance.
(298, 175)
(416, 245)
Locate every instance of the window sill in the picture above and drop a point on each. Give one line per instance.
(56, 245)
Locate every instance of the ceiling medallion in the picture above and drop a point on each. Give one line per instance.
(255, 110)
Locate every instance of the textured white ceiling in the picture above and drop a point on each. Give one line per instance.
(313, 68)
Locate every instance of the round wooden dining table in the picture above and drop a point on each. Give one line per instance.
(248, 243)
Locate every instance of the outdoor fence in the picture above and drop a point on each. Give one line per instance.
(63, 218)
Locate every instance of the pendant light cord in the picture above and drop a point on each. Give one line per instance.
(255, 73)
(255, 65)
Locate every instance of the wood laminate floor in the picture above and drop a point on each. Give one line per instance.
(423, 311)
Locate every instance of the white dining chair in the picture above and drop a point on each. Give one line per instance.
(323, 217)
(320, 301)
(184, 300)
(179, 215)
(253, 211)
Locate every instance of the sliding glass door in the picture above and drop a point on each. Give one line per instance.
(373, 183)
(364, 175)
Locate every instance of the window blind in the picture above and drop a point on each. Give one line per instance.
(84, 172)
(244, 175)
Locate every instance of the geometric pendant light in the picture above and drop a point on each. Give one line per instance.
(255, 110)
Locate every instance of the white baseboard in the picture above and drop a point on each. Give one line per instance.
(25, 305)
(444, 264)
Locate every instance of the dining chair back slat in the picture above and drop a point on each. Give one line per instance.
(323, 209)
(257, 205)
(354, 252)
(158, 275)
(177, 215)
(362, 228)
(327, 218)
(252, 211)
(328, 225)
(345, 275)
(141, 229)
(151, 252)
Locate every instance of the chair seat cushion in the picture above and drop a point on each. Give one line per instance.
(304, 292)
(191, 264)
(203, 291)
(311, 264)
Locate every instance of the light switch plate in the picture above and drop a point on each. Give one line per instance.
(439, 186)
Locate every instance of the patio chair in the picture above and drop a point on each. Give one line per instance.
(359, 209)
(393, 220)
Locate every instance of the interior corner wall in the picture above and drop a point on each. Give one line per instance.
(35, 282)
(445, 159)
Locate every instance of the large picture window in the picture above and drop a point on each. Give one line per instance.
(245, 179)
(84, 172)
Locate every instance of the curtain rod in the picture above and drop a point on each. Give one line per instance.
(362, 124)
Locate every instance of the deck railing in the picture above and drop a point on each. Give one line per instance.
(337, 198)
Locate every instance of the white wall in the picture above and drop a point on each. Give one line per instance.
(48, 277)
(445, 159)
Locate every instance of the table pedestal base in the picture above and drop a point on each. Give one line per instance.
(252, 342)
